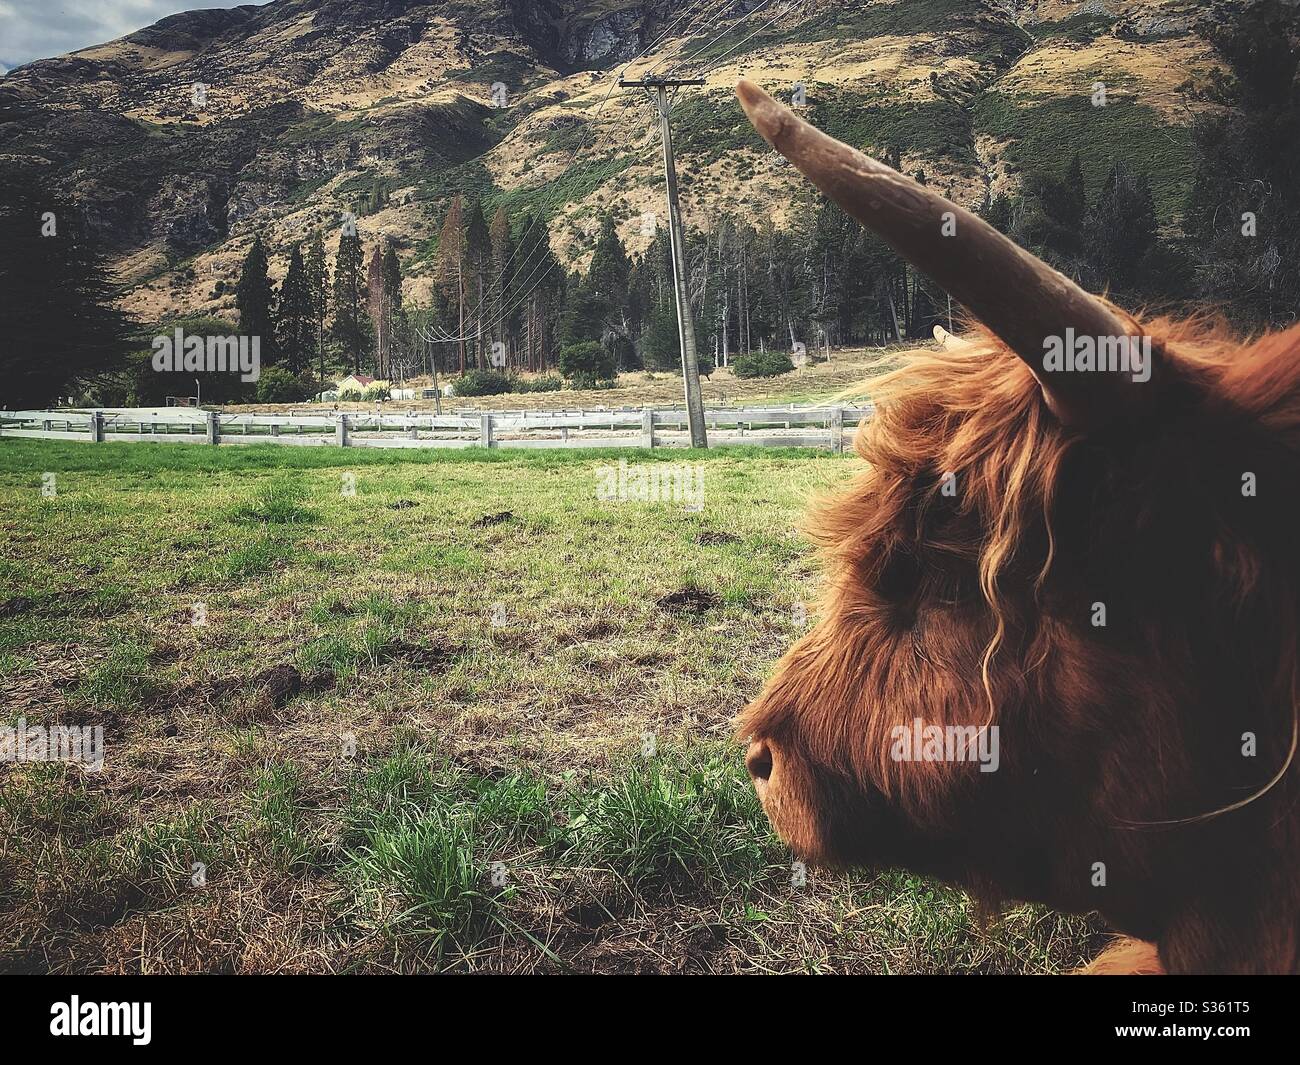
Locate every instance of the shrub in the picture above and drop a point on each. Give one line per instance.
(583, 380)
(762, 364)
(588, 358)
(278, 385)
(548, 383)
(483, 383)
(376, 390)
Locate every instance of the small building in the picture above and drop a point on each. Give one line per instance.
(354, 383)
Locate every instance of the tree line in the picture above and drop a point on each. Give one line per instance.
(501, 300)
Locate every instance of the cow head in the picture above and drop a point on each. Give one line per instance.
(1056, 655)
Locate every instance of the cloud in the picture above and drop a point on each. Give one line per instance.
(38, 29)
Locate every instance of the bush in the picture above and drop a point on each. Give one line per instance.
(278, 385)
(587, 358)
(483, 383)
(762, 364)
(548, 383)
(376, 390)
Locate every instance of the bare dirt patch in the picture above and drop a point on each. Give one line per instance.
(689, 601)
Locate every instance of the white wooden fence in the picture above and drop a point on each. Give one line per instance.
(819, 427)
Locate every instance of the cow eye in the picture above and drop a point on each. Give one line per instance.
(899, 577)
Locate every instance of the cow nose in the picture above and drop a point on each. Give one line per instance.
(758, 760)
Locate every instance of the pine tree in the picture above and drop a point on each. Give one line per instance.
(60, 327)
(254, 297)
(317, 276)
(296, 315)
(350, 295)
(661, 341)
(584, 316)
(1243, 213)
(1121, 228)
(478, 253)
(500, 286)
(608, 275)
(545, 295)
(375, 308)
(394, 320)
(450, 267)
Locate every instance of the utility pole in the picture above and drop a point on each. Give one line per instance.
(658, 91)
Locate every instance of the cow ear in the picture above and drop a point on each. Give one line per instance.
(1029, 306)
(949, 341)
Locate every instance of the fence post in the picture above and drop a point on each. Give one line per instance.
(275, 428)
(341, 432)
(837, 430)
(485, 430)
(214, 427)
(415, 429)
(648, 427)
(97, 426)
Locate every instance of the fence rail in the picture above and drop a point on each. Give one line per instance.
(818, 427)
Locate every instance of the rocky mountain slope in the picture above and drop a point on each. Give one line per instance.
(184, 139)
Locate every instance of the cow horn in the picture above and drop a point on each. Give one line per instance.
(1015, 294)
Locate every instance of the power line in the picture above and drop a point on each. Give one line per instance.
(730, 29)
(506, 312)
(685, 325)
(518, 302)
(717, 61)
(716, 8)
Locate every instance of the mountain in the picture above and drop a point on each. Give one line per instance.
(184, 139)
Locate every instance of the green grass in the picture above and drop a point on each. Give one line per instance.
(1046, 133)
(276, 814)
(848, 23)
(662, 823)
(710, 127)
(487, 690)
(122, 679)
(937, 129)
(1083, 28)
(279, 502)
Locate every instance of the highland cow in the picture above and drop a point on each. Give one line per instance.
(1100, 565)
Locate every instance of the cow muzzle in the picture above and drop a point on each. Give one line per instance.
(758, 760)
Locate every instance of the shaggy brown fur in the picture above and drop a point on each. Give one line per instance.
(1125, 957)
(1120, 744)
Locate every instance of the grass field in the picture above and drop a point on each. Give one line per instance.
(465, 663)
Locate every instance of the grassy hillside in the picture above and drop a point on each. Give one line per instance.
(305, 117)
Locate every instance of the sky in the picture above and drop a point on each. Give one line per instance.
(38, 29)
